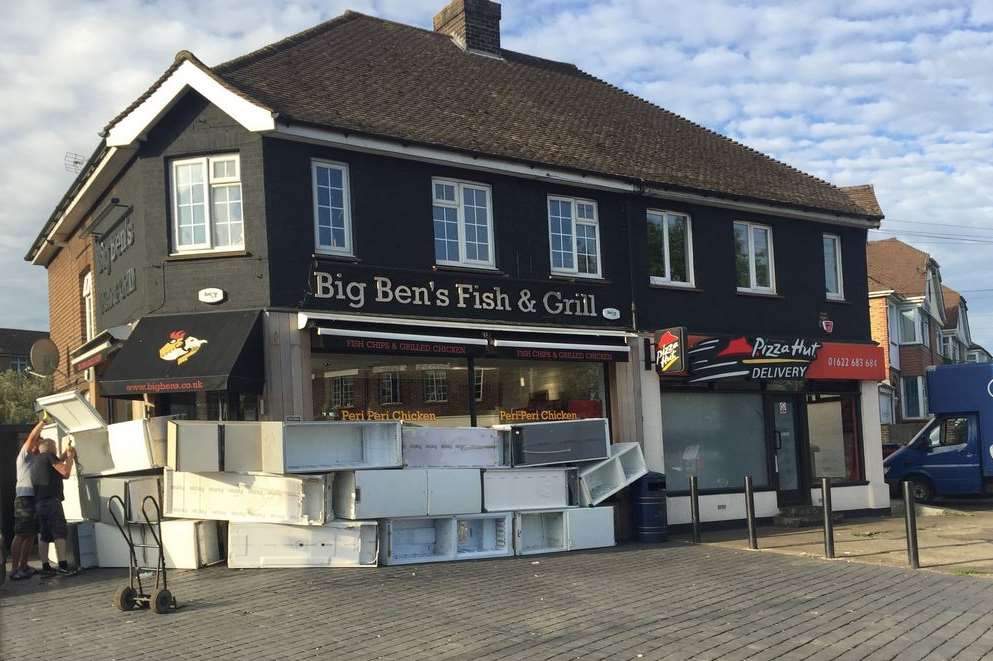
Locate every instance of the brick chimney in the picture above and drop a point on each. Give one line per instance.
(473, 24)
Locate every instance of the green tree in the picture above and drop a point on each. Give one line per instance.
(17, 394)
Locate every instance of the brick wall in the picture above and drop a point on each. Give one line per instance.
(474, 24)
(879, 326)
(65, 306)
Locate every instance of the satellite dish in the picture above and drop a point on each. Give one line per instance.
(44, 357)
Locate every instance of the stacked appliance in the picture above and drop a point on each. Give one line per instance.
(341, 494)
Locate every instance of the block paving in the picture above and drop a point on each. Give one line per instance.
(674, 601)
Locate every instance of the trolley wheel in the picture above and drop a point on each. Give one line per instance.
(162, 601)
(124, 598)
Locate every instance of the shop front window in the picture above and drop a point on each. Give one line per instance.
(833, 429)
(210, 405)
(536, 391)
(425, 391)
(719, 437)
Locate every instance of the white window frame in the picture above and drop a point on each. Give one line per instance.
(667, 278)
(574, 271)
(459, 205)
(20, 363)
(919, 335)
(339, 382)
(921, 398)
(886, 402)
(839, 270)
(89, 310)
(390, 381)
(432, 376)
(348, 250)
(753, 288)
(209, 182)
(477, 383)
(893, 325)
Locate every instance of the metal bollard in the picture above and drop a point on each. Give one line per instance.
(695, 508)
(910, 517)
(753, 539)
(828, 523)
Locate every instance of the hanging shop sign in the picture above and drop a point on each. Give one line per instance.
(770, 359)
(355, 288)
(670, 352)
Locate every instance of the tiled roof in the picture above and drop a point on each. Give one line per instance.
(865, 197)
(898, 266)
(17, 342)
(953, 300)
(374, 77)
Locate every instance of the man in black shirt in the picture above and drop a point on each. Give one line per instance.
(48, 473)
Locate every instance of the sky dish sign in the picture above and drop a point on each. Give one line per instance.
(380, 290)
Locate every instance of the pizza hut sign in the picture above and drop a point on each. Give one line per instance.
(670, 352)
(753, 359)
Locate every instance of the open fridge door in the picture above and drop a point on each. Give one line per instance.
(87, 429)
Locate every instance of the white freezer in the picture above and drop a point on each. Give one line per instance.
(131, 490)
(603, 479)
(82, 498)
(243, 447)
(81, 546)
(421, 539)
(540, 531)
(453, 447)
(187, 544)
(104, 449)
(590, 527)
(248, 497)
(525, 488)
(557, 442)
(454, 491)
(381, 494)
(335, 544)
(487, 535)
(194, 446)
(319, 447)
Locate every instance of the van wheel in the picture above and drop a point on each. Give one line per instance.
(921, 490)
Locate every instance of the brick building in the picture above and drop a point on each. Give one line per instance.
(908, 312)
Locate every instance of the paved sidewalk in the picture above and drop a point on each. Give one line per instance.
(670, 602)
(960, 542)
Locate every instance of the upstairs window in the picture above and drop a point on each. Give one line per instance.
(754, 258)
(206, 204)
(670, 248)
(332, 208)
(833, 278)
(435, 386)
(574, 237)
(389, 388)
(463, 224)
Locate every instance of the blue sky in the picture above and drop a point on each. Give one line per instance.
(896, 93)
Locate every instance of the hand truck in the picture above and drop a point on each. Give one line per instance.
(133, 595)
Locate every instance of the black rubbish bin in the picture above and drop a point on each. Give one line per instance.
(648, 498)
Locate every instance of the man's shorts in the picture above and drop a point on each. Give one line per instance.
(51, 520)
(25, 522)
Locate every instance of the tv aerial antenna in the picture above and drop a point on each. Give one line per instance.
(74, 162)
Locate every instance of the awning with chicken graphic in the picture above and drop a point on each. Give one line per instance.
(188, 353)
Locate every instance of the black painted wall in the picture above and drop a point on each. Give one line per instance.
(165, 283)
(393, 235)
(716, 307)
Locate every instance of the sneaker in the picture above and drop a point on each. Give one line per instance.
(47, 571)
(68, 571)
(18, 575)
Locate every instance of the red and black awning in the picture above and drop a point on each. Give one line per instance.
(189, 353)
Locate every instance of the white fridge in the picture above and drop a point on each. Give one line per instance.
(417, 539)
(381, 494)
(525, 488)
(488, 535)
(335, 544)
(319, 447)
(249, 497)
(600, 480)
(187, 544)
(453, 447)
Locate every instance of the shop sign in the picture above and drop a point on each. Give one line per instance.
(752, 359)
(114, 245)
(122, 287)
(443, 294)
(360, 344)
(670, 352)
(848, 362)
(211, 295)
(581, 355)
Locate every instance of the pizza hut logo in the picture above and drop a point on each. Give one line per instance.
(180, 347)
(669, 352)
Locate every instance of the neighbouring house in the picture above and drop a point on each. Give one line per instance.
(956, 336)
(373, 221)
(977, 354)
(15, 348)
(909, 313)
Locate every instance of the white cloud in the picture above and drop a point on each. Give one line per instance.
(894, 92)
